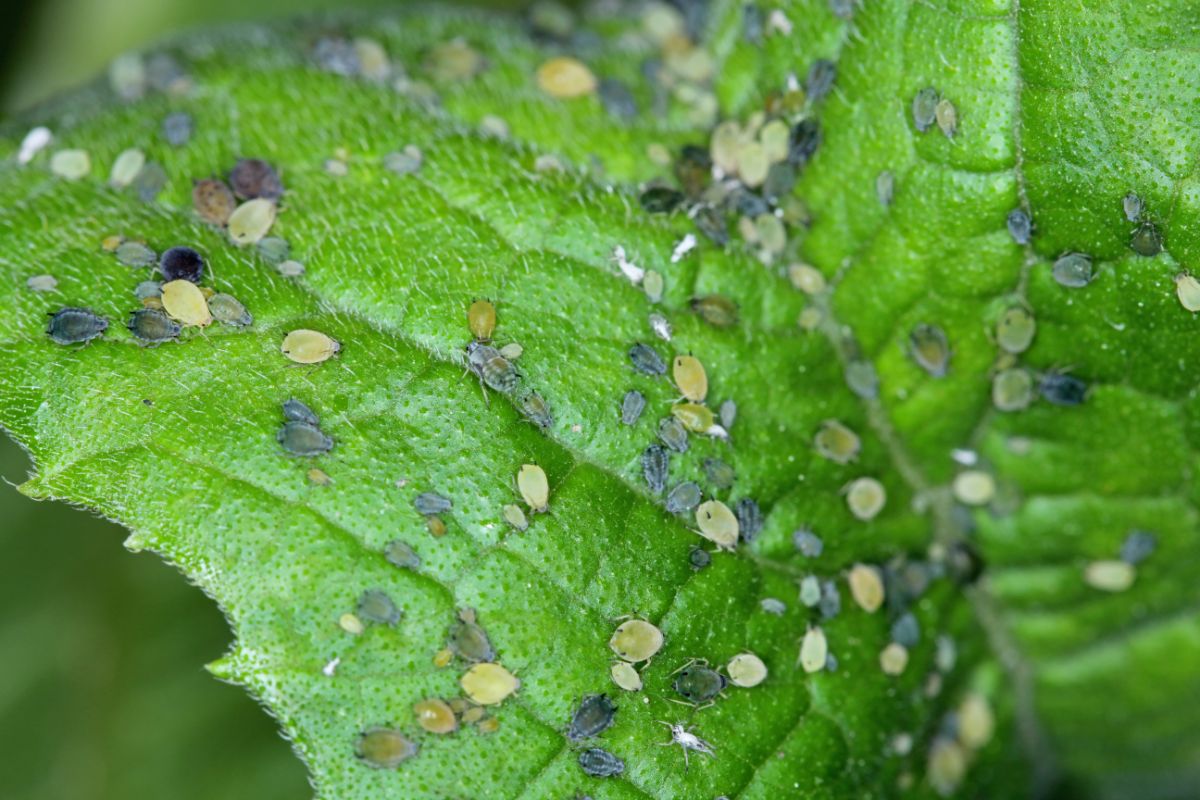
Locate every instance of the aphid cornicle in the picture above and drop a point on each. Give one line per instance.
(75, 326)
(600, 763)
(384, 748)
(655, 464)
(153, 326)
(631, 406)
(698, 683)
(303, 439)
(594, 715)
(647, 360)
(375, 605)
(493, 369)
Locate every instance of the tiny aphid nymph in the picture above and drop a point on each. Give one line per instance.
(865, 497)
(656, 462)
(481, 319)
(924, 108)
(375, 605)
(814, 650)
(1015, 330)
(384, 748)
(930, 349)
(631, 406)
(303, 439)
(536, 409)
(673, 434)
(469, 641)
(1073, 270)
(229, 310)
(297, 411)
(647, 360)
(432, 503)
(488, 684)
(683, 498)
(866, 586)
(534, 487)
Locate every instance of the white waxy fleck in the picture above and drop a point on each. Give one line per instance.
(306, 346)
(683, 247)
(806, 278)
(626, 677)
(717, 524)
(865, 497)
(34, 142)
(628, 268)
(894, 659)
(488, 684)
(814, 650)
(535, 488)
(1110, 575)
(1187, 289)
(976, 722)
(746, 670)
(866, 586)
(974, 487)
(185, 303)
(126, 167)
(636, 640)
(836, 442)
(41, 283)
(331, 667)
(251, 221)
(778, 23)
(71, 165)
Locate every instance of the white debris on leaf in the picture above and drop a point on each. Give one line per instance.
(683, 247)
(33, 143)
(628, 268)
(331, 667)
(779, 23)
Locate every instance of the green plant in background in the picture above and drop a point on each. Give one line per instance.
(930, 465)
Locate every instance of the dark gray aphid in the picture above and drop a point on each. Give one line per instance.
(631, 406)
(647, 360)
(831, 600)
(699, 684)
(906, 630)
(1138, 546)
(1062, 390)
(1146, 240)
(617, 99)
(660, 199)
(712, 223)
(181, 264)
(719, 473)
(924, 108)
(748, 204)
(820, 79)
(749, 517)
(470, 642)
(303, 439)
(683, 497)
(807, 543)
(752, 24)
(376, 606)
(432, 503)
(831, 662)
(699, 558)
(536, 409)
(673, 434)
(600, 763)
(253, 177)
(75, 325)
(152, 325)
(781, 179)
(492, 368)
(655, 463)
(400, 554)
(804, 141)
(296, 411)
(1020, 228)
(594, 716)
(177, 128)
(163, 72)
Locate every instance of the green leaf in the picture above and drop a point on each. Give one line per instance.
(179, 443)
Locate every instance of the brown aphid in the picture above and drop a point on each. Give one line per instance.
(481, 319)
(435, 715)
(213, 201)
(690, 377)
(384, 748)
(253, 177)
(436, 526)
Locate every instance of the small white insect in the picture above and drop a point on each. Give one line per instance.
(778, 22)
(33, 143)
(683, 247)
(681, 736)
(630, 270)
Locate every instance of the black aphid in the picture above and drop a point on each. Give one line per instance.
(804, 141)
(820, 79)
(253, 177)
(655, 462)
(296, 411)
(631, 406)
(303, 439)
(1062, 390)
(699, 684)
(1020, 228)
(660, 199)
(432, 503)
(594, 716)
(181, 264)
(376, 606)
(600, 763)
(749, 517)
(400, 554)
(75, 326)
(647, 360)
(152, 325)
(683, 498)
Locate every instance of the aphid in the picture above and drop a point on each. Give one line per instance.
(929, 349)
(177, 128)
(512, 351)
(400, 554)
(1062, 390)
(404, 162)
(435, 715)
(481, 319)
(126, 167)
(1012, 389)
(492, 369)
(296, 411)
(716, 310)
(254, 178)
(924, 108)
(1016, 328)
(1146, 240)
(514, 515)
(33, 143)
(673, 434)
(290, 269)
(1138, 546)
(536, 409)
(432, 503)
(147, 290)
(946, 115)
(655, 463)
(384, 748)
(976, 722)
(149, 182)
(565, 78)
(813, 650)
(820, 79)
(600, 763)
(273, 249)
(454, 60)
(135, 254)
(866, 587)
(181, 263)
(647, 360)
(472, 715)
(746, 670)
(728, 413)
(228, 309)
(885, 188)
(250, 221)
(213, 201)
(893, 659)
(698, 683)
(318, 477)
(831, 600)
(1020, 228)
(626, 677)
(469, 641)
(806, 278)
(534, 487)
(75, 326)
(773, 605)
(1133, 207)
(303, 439)
(375, 605)
(351, 624)
(309, 347)
(489, 684)
(41, 283)
(862, 379)
(807, 543)
(865, 497)
(693, 169)
(487, 726)
(683, 498)
(945, 653)
(688, 741)
(974, 487)
(660, 199)
(1187, 289)
(717, 524)
(810, 591)
(617, 99)
(1073, 270)
(752, 163)
(636, 640)
(151, 325)
(694, 417)
(805, 139)
(661, 327)
(595, 715)
(774, 137)
(906, 630)
(719, 473)
(947, 765)
(1109, 575)
(699, 558)
(71, 165)
(749, 517)
(691, 378)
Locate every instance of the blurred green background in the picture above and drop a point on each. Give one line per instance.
(103, 695)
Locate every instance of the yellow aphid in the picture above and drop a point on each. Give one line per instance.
(746, 670)
(1187, 289)
(110, 243)
(351, 624)
(514, 516)
(974, 487)
(472, 714)
(947, 766)
(127, 166)
(810, 318)
(836, 442)
(806, 278)
(184, 302)
(976, 722)
(865, 497)
(443, 657)
(636, 640)
(319, 477)
(384, 748)
(893, 659)
(489, 725)
(691, 378)
(251, 221)
(814, 650)
(866, 586)
(1109, 576)
(304, 346)
(435, 715)
(565, 78)
(717, 524)
(695, 417)
(481, 319)
(488, 684)
(626, 677)
(535, 489)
